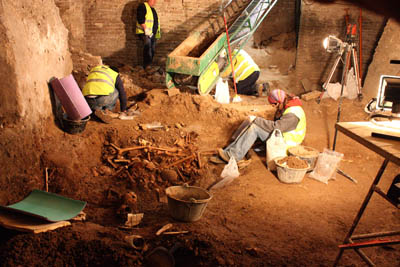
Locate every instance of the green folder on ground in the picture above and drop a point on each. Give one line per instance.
(48, 206)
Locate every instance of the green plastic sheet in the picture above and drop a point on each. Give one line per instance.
(48, 206)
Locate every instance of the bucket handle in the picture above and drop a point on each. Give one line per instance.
(193, 200)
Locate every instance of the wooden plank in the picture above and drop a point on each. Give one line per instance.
(361, 132)
(310, 95)
(25, 223)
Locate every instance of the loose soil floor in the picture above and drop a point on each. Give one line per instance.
(256, 220)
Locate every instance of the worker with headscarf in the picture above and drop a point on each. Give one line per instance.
(246, 71)
(289, 118)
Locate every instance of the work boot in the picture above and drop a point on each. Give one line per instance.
(217, 160)
(111, 114)
(222, 154)
(102, 116)
(243, 163)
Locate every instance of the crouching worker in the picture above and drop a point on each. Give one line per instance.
(289, 118)
(247, 73)
(102, 89)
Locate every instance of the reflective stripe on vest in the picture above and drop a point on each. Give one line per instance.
(244, 66)
(100, 81)
(296, 136)
(149, 21)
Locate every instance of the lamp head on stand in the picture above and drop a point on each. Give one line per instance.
(333, 44)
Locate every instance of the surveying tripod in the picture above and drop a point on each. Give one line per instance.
(348, 49)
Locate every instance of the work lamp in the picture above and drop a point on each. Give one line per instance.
(332, 44)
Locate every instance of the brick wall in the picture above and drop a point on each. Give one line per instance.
(110, 27)
(106, 28)
(317, 22)
(281, 19)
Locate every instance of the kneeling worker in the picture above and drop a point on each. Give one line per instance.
(290, 119)
(247, 73)
(102, 89)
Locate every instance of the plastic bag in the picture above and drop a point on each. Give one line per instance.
(276, 147)
(351, 85)
(228, 174)
(326, 165)
(222, 92)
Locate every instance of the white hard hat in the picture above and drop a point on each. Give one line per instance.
(222, 54)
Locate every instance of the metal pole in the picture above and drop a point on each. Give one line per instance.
(335, 64)
(357, 73)
(346, 65)
(344, 75)
(230, 54)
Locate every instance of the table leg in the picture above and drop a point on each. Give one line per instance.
(362, 209)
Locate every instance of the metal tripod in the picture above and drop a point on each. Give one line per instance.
(348, 49)
(349, 53)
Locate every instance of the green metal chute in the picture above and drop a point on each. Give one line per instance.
(181, 61)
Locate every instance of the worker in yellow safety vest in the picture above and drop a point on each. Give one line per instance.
(148, 29)
(102, 89)
(290, 119)
(246, 71)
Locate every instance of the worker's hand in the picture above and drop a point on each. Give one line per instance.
(252, 118)
(148, 32)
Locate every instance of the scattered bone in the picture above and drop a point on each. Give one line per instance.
(169, 175)
(164, 228)
(199, 159)
(122, 161)
(136, 241)
(175, 233)
(133, 219)
(109, 160)
(179, 161)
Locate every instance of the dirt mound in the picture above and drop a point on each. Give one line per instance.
(255, 221)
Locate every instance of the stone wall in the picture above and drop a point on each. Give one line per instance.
(317, 22)
(34, 49)
(73, 16)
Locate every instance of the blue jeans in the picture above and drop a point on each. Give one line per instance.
(103, 101)
(245, 141)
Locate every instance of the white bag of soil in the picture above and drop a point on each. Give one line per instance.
(276, 147)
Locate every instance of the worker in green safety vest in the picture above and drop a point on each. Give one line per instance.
(148, 29)
(290, 119)
(102, 90)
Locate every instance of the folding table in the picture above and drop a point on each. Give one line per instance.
(390, 151)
